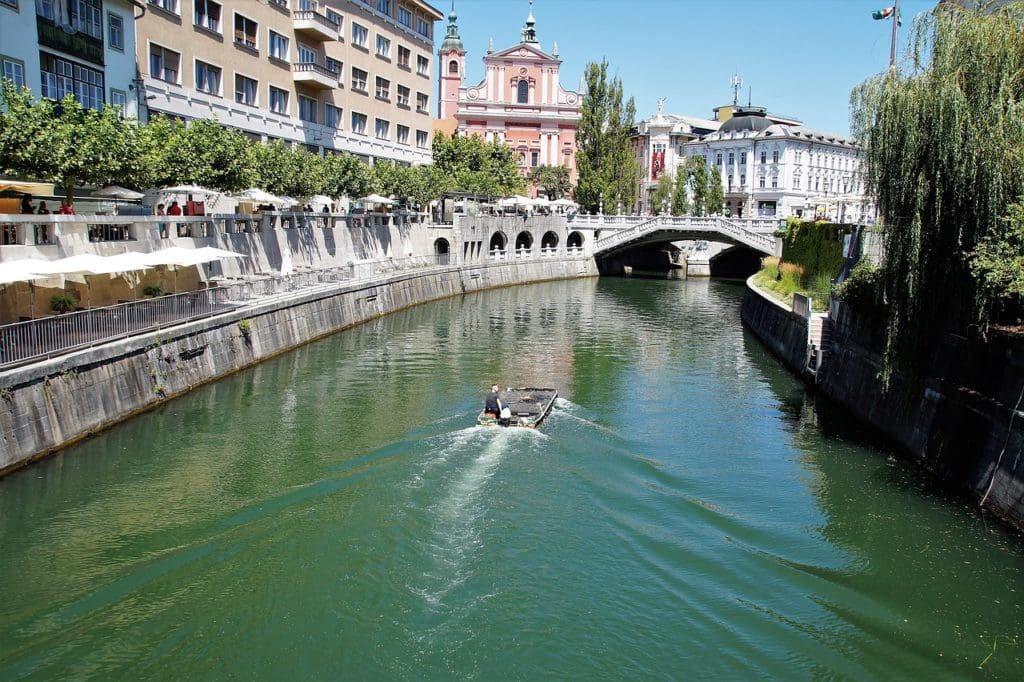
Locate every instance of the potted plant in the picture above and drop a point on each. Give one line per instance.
(153, 290)
(62, 303)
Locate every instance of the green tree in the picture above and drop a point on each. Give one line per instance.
(680, 202)
(998, 264)
(554, 181)
(345, 175)
(206, 153)
(606, 165)
(697, 182)
(478, 166)
(67, 143)
(715, 196)
(944, 146)
(662, 194)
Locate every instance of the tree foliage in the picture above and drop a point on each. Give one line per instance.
(998, 264)
(680, 201)
(606, 165)
(716, 195)
(697, 181)
(944, 145)
(554, 181)
(662, 194)
(477, 166)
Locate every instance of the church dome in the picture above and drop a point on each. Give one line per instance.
(753, 119)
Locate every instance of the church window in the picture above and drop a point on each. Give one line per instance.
(524, 92)
(453, 66)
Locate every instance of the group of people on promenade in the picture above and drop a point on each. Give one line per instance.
(26, 207)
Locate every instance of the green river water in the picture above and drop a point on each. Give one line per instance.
(686, 512)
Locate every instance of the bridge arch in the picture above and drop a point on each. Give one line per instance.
(498, 241)
(575, 240)
(441, 250)
(549, 240)
(524, 241)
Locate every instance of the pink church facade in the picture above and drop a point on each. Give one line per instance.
(520, 101)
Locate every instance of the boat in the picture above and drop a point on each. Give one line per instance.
(524, 407)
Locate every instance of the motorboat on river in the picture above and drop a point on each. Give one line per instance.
(524, 407)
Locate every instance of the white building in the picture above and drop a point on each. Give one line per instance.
(780, 170)
(658, 145)
(85, 48)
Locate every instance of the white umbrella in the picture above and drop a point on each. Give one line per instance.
(84, 263)
(377, 199)
(188, 189)
(22, 270)
(260, 196)
(176, 255)
(288, 201)
(118, 192)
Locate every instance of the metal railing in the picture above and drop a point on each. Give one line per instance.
(58, 334)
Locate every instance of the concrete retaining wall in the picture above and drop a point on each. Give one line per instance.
(49, 405)
(963, 423)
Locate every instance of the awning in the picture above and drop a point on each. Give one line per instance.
(34, 188)
(118, 192)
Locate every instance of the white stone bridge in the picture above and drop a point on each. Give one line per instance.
(622, 233)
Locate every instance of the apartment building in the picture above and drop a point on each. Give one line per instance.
(335, 76)
(84, 48)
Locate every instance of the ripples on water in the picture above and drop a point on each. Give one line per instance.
(685, 511)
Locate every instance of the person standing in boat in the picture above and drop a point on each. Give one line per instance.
(492, 407)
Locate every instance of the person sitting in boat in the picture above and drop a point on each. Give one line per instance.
(492, 407)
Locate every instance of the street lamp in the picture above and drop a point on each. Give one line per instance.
(600, 204)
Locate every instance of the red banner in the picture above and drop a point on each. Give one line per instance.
(657, 164)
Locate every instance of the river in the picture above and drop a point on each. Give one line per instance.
(686, 511)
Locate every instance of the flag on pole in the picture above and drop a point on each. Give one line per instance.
(883, 13)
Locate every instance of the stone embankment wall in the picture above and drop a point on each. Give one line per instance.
(963, 423)
(48, 405)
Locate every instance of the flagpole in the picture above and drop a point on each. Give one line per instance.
(895, 35)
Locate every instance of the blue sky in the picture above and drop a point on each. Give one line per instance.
(799, 57)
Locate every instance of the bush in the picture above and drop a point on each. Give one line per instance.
(62, 303)
(862, 289)
(153, 290)
(817, 246)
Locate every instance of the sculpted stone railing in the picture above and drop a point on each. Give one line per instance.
(755, 234)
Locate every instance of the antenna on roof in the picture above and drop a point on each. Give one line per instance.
(735, 83)
(748, 96)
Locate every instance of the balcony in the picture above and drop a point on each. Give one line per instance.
(315, 75)
(312, 25)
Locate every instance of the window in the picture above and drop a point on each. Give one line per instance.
(764, 158)
(167, 5)
(523, 92)
(775, 156)
(775, 182)
(422, 102)
(383, 129)
(718, 159)
(245, 90)
(422, 65)
(404, 55)
(383, 47)
(207, 78)
(384, 7)
(307, 109)
(163, 63)
(743, 180)
(14, 71)
(403, 96)
(404, 16)
(732, 158)
(333, 65)
(61, 77)
(534, 158)
(115, 31)
(422, 27)
(279, 100)
(383, 88)
(358, 80)
(359, 35)
(761, 182)
(119, 99)
(334, 17)
(87, 18)
(332, 116)
(421, 138)
(403, 134)
(743, 157)
(796, 182)
(245, 31)
(307, 55)
(278, 46)
(207, 15)
(797, 156)
(453, 66)
(359, 123)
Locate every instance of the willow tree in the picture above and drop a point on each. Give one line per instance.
(944, 144)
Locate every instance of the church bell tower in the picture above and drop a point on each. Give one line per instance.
(452, 69)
